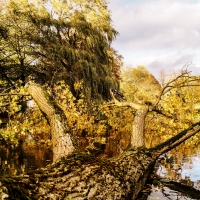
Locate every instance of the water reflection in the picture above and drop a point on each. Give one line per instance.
(164, 193)
(188, 171)
(23, 159)
(178, 167)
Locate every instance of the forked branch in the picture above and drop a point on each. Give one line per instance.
(183, 80)
(135, 106)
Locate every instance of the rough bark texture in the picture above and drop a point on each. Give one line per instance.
(81, 176)
(61, 139)
(137, 136)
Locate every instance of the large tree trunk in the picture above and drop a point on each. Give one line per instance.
(81, 176)
(62, 140)
(137, 136)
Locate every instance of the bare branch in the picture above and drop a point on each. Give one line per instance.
(136, 106)
(189, 81)
(11, 94)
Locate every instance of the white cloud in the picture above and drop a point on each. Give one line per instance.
(158, 34)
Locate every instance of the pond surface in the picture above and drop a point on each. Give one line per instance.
(184, 169)
(23, 160)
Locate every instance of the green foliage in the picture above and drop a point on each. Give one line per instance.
(67, 41)
(65, 47)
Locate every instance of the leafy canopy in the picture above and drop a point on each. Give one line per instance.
(59, 40)
(173, 106)
(60, 44)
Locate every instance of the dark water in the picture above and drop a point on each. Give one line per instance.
(24, 159)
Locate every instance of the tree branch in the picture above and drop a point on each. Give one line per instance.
(189, 81)
(11, 94)
(135, 106)
(175, 141)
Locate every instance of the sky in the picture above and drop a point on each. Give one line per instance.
(158, 34)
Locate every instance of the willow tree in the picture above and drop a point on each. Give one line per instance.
(81, 176)
(69, 41)
(72, 42)
(54, 41)
(61, 40)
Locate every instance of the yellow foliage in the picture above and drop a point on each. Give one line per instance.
(180, 105)
(138, 85)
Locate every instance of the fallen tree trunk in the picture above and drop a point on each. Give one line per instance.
(77, 175)
(81, 176)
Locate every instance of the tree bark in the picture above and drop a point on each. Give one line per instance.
(63, 142)
(137, 136)
(175, 141)
(81, 176)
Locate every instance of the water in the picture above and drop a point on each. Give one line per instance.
(23, 160)
(183, 169)
(165, 193)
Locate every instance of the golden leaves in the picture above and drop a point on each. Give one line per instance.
(179, 103)
(20, 121)
(138, 85)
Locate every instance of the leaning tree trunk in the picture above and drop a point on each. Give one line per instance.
(81, 176)
(62, 140)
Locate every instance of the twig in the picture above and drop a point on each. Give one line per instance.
(10, 94)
